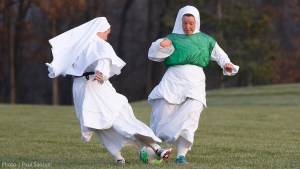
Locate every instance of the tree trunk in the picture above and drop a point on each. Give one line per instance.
(219, 16)
(150, 63)
(155, 71)
(55, 90)
(122, 26)
(13, 88)
(19, 9)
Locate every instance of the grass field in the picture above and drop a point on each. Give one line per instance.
(257, 127)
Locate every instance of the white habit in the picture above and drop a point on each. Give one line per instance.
(178, 100)
(99, 108)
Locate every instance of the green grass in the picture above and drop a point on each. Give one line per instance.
(257, 127)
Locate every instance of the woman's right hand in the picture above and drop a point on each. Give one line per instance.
(165, 43)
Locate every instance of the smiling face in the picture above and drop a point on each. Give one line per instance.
(188, 24)
(104, 35)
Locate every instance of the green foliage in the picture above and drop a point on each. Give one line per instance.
(248, 40)
(254, 127)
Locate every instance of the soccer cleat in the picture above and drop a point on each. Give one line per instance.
(121, 162)
(164, 153)
(181, 160)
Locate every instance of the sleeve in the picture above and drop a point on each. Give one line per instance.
(157, 53)
(222, 58)
(104, 66)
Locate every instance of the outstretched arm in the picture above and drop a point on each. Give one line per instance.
(223, 61)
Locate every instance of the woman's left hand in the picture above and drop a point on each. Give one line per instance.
(228, 67)
(98, 76)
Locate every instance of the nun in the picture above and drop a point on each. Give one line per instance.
(84, 53)
(178, 100)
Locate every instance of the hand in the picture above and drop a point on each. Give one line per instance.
(165, 43)
(228, 67)
(98, 76)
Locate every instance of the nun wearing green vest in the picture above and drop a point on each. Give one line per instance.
(178, 100)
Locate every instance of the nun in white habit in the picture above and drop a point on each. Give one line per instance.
(84, 53)
(178, 100)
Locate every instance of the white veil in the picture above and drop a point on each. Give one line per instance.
(186, 10)
(68, 46)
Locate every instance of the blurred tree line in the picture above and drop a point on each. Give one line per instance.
(259, 36)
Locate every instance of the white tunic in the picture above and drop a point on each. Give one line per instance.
(182, 81)
(177, 101)
(98, 105)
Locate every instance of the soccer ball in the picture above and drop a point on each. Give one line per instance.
(148, 156)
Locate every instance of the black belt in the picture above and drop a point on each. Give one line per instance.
(86, 74)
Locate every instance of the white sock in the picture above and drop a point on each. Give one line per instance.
(182, 146)
(148, 141)
(154, 146)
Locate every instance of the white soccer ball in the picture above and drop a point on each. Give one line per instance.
(148, 156)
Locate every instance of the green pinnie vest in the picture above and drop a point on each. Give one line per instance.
(190, 49)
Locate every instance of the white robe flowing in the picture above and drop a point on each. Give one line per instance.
(99, 108)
